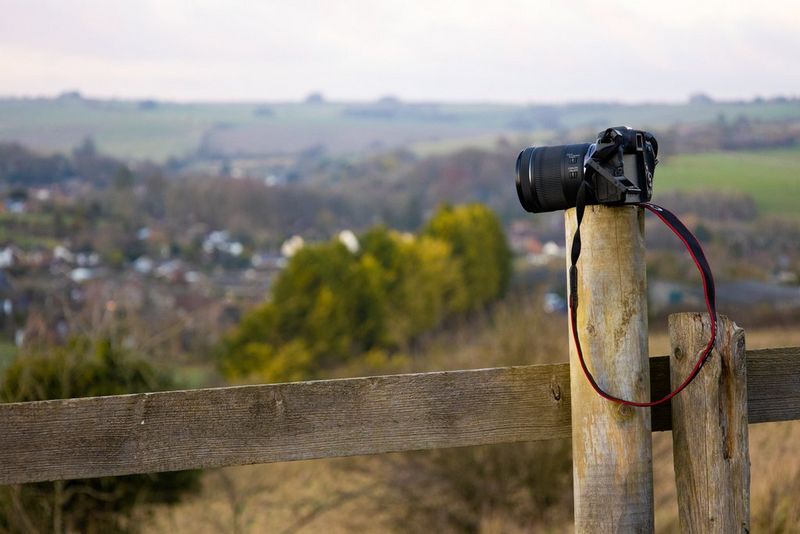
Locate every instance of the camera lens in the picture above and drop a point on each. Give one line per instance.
(548, 176)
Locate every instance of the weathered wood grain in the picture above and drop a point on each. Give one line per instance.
(102, 436)
(773, 385)
(612, 458)
(258, 424)
(709, 427)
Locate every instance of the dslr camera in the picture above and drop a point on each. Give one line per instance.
(618, 169)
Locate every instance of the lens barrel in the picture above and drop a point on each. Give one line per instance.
(548, 176)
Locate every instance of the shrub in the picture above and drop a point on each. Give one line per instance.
(85, 368)
(331, 305)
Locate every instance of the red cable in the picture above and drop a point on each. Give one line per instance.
(703, 356)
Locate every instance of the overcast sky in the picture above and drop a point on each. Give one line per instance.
(490, 50)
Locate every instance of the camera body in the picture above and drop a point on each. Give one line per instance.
(618, 169)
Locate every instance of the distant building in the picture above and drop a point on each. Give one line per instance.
(9, 256)
(349, 240)
(63, 254)
(292, 246)
(220, 241)
(267, 261)
(16, 206)
(549, 251)
(81, 274)
(143, 265)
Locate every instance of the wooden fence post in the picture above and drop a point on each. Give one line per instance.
(611, 443)
(709, 427)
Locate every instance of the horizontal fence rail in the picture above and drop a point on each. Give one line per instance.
(203, 428)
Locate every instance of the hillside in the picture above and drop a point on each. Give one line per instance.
(158, 130)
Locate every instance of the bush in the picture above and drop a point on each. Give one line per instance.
(331, 305)
(480, 246)
(85, 368)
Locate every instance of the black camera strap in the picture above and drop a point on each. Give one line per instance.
(696, 252)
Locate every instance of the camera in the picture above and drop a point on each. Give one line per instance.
(618, 169)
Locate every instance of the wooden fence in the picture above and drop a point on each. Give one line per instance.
(142, 433)
(612, 457)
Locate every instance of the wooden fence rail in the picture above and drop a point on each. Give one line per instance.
(142, 433)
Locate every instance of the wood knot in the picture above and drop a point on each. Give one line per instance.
(740, 343)
(622, 412)
(555, 391)
(678, 353)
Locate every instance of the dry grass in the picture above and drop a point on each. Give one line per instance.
(309, 496)
(346, 495)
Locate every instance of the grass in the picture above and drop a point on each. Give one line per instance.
(771, 177)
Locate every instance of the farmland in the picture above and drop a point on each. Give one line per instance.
(160, 130)
(771, 177)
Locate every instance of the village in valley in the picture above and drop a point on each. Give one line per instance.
(189, 245)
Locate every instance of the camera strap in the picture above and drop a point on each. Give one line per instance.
(695, 251)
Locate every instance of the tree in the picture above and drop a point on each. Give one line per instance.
(79, 369)
(19, 165)
(477, 240)
(327, 306)
(123, 178)
(332, 305)
(315, 98)
(422, 281)
(332, 300)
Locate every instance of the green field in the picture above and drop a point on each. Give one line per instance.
(119, 128)
(148, 130)
(125, 129)
(771, 177)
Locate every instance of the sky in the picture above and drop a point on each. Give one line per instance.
(466, 51)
